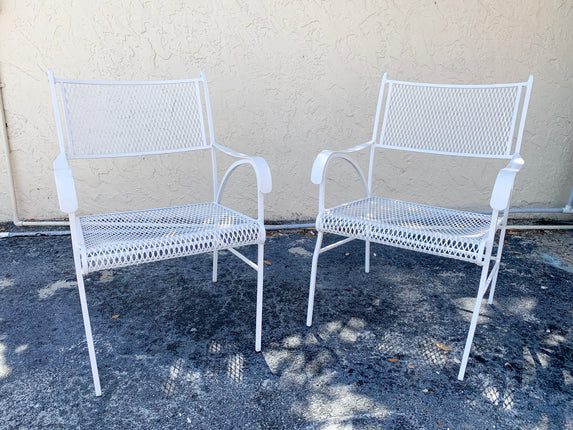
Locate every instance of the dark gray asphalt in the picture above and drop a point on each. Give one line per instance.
(181, 352)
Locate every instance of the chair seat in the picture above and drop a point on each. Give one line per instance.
(434, 230)
(126, 238)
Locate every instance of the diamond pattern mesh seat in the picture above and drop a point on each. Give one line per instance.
(439, 231)
(482, 121)
(127, 238)
(135, 119)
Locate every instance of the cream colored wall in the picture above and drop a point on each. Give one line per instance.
(287, 79)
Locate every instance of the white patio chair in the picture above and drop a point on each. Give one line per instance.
(456, 120)
(121, 119)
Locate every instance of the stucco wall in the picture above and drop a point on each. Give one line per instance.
(287, 79)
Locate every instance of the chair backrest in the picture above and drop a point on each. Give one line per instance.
(466, 120)
(117, 119)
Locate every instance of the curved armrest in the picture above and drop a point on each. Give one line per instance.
(321, 161)
(65, 185)
(504, 183)
(262, 171)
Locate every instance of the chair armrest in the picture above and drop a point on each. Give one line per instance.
(65, 185)
(504, 183)
(262, 171)
(321, 161)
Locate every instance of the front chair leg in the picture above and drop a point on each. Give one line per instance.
(473, 324)
(88, 330)
(313, 279)
(259, 317)
(367, 257)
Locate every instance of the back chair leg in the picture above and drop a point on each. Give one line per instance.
(259, 317)
(494, 274)
(496, 266)
(367, 257)
(215, 261)
(88, 330)
(313, 278)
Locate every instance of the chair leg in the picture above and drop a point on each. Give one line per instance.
(496, 266)
(215, 261)
(313, 279)
(367, 257)
(88, 330)
(495, 272)
(259, 317)
(473, 324)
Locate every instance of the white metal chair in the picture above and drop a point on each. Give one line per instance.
(485, 121)
(120, 119)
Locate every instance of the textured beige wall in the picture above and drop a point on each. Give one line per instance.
(287, 79)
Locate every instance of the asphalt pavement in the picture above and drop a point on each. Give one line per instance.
(176, 350)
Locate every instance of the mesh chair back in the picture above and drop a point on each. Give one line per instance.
(111, 119)
(477, 120)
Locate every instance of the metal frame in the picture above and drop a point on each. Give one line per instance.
(419, 117)
(120, 119)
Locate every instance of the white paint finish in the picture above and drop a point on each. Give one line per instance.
(287, 80)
